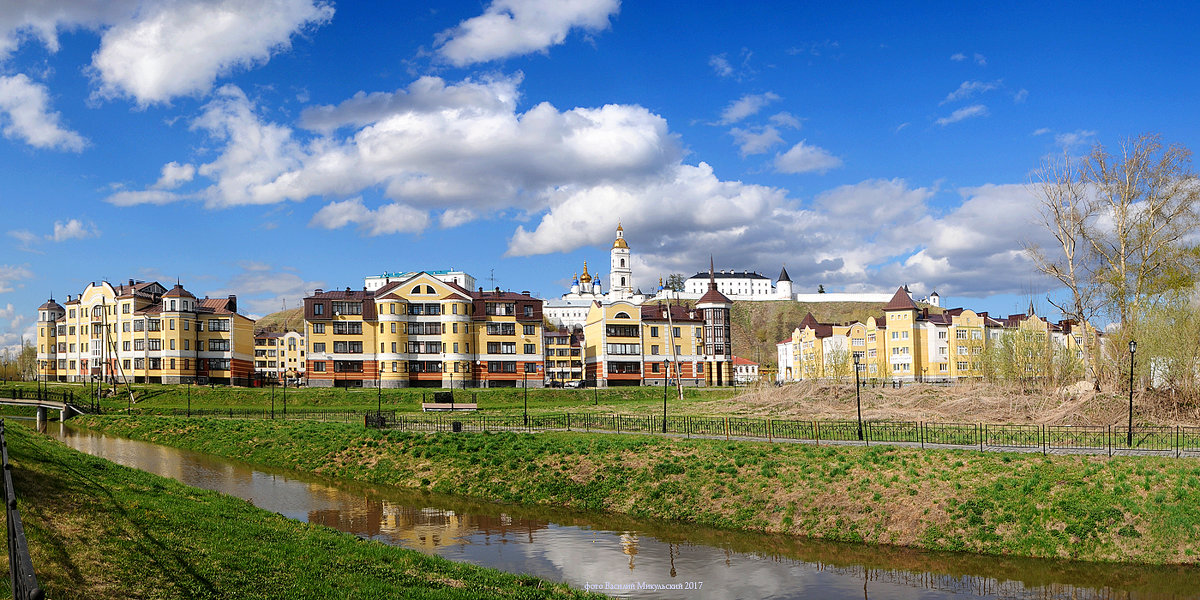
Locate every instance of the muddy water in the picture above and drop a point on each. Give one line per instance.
(634, 558)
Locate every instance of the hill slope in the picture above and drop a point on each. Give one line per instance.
(291, 319)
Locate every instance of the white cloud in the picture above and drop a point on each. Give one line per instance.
(43, 19)
(720, 65)
(173, 175)
(1021, 95)
(25, 115)
(73, 229)
(785, 119)
(26, 237)
(958, 57)
(1079, 137)
(746, 106)
(967, 112)
(900, 127)
(1041, 131)
(516, 27)
(970, 88)
(263, 289)
(756, 141)
(389, 218)
(980, 59)
(181, 48)
(10, 274)
(803, 158)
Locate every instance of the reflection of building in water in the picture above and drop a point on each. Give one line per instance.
(425, 529)
(629, 545)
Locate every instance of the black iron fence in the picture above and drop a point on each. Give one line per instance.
(292, 414)
(1173, 441)
(20, 564)
(43, 395)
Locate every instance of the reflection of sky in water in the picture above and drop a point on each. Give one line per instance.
(613, 560)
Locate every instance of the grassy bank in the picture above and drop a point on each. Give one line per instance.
(1087, 508)
(99, 530)
(157, 398)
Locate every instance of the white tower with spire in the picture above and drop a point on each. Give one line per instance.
(620, 278)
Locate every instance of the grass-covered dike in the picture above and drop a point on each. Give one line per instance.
(99, 530)
(1124, 509)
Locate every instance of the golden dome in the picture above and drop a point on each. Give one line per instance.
(586, 277)
(620, 241)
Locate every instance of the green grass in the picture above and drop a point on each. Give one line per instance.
(99, 531)
(1125, 509)
(156, 398)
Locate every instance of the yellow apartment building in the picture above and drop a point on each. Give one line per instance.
(141, 332)
(423, 332)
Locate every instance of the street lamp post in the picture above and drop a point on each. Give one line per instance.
(858, 397)
(1129, 436)
(525, 384)
(272, 400)
(666, 378)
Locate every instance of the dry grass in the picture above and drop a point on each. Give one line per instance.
(967, 402)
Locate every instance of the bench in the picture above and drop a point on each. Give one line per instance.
(448, 406)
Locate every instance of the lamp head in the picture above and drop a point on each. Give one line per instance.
(856, 359)
(1132, 346)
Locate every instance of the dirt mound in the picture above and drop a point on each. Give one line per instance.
(965, 402)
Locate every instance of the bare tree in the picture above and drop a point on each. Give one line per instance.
(1146, 207)
(1067, 211)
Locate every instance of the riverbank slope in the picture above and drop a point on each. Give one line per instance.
(98, 530)
(1123, 509)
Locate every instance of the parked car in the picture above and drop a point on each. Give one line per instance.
(573, 384)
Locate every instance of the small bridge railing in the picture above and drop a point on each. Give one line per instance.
(20, 564)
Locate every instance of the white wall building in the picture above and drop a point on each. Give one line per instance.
(461, 278)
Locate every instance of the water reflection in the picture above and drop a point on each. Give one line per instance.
(628, 557)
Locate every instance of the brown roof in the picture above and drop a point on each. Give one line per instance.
(713, 296)
(900, 301)
(178, 292)
(737, 360)
(679, 313)
(823, 330)
(346, 294)
(50, 305)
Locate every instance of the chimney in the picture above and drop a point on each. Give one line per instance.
(524, 292)
(130, 282)
(318, 291)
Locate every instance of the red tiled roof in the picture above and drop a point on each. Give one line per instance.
(679, 313)
(178, 292)
(737, 360)
(900, 301)
(713, 296)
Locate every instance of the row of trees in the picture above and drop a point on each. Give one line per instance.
(20, 365)
(1125, 250)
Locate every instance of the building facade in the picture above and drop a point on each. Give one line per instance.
(140, 332)
(423, 332)
(279, 356)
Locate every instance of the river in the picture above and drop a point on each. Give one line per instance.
(632, 558)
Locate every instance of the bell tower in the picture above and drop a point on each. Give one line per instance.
(620, 278)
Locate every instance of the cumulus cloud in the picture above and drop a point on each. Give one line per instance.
(970, 88)
(746, 106)
(181, 48)
(978, 58)
(516, 27)
(25, 115)
(389, 218)
(805, 158)
(174, 174)
(962, 114)
(784, 119)
(73, 229)
(26, 238)
(958, 57)
(756, 141)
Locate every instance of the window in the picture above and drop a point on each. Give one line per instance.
(154, 345)
(424, 366)
(347, 347)
(962, 365)
(138, 325)
(199, 345)
(654, 332)
(654, 367)
(218, 324)
(654, 350)
(187, 325)
(976, 334)
(425, 347)
(960, 334)
(392, 310)
(125, 308)
(502, 366)
(318, 328)
(218, 345)
(318, 308)
(530, 348)
(186, 344)
(857, 342)
(155, 364)
(501, 328)
(318, 366)
(454, 310)
(622, 330)
(138, 345)
(341, 328)
(500, 308)
(899, 367)
(124, 346)
(962, 350)
(138, 363)
(455, 325)
(624, 349)
(218, 364)
(393, 347)
(501, 347)
(529, 329)
(393, 325)
(942, 335)
(700, 368)
(171, 324)
(347, 366)
(172, 364)
(347, 308)
(675, 332)
(625, 368)
(528, 310)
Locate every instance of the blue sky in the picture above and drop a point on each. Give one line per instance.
(269, 148)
